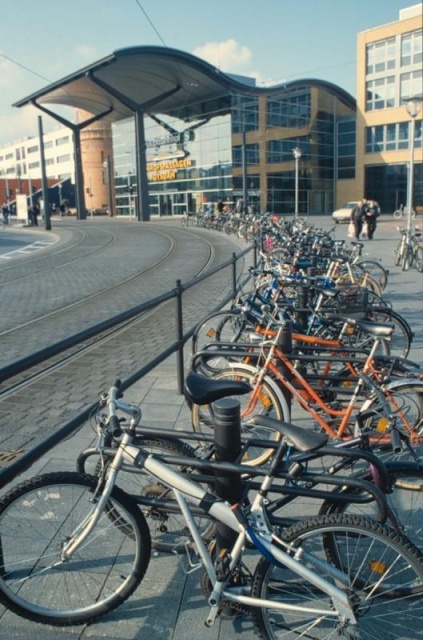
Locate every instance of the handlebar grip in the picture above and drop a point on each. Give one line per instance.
(396, 441)
(113, 427)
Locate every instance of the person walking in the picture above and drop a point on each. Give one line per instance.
(358, 213)
(371, 216)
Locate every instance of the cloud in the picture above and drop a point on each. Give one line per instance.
(228, 55)
(86, 51)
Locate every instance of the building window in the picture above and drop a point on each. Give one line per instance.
(282, 150)
(33, 149)
(346, 149)
(48, 144)
(380, 93)
(33, 165)
(392, 137)
(64, 158)
(381, 56)
(252, 155)
(245, 113)
(411, 48)
(49, 161)
(411, 85)
(9, 156)
(289, 110)
(62, 140)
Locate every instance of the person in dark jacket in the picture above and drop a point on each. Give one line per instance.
(358, 214)
(372, 213)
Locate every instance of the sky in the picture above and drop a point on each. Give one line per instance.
(42, 41)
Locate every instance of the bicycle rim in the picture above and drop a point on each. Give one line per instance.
(385, 575)
(37, 519)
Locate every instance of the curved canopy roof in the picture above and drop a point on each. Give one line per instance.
(157, 80)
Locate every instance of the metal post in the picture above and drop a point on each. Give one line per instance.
(179, 337)
(44, 176)
(297, 155)
(244, 172)
(227, 437)
(234, 273)
(285, 344)
(413, 107)
(142, 201)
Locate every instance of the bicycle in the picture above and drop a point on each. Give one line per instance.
(272, 373)
(402, 212)
(331, 576)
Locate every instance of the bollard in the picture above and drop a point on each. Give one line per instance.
(284, 344)
(227, 437)
(301, 314)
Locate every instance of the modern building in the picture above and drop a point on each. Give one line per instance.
(389, 72)
(161, 132)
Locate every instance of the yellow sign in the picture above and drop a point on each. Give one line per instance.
(167, 169)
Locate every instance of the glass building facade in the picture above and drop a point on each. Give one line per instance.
(245, 148)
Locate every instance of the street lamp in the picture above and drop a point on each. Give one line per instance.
(297, 155)
(413, 109)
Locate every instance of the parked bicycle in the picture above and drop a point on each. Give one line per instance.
(409, 251)
(402, 212)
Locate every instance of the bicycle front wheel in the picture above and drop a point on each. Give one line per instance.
(405, 501)
(383, 581)
(37, 520)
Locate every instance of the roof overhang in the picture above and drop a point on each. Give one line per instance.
(157, 79)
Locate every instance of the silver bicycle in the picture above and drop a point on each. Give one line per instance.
(73, 547)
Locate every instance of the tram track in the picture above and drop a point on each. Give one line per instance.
(37, 401)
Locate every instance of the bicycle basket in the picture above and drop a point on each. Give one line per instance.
(352, 299)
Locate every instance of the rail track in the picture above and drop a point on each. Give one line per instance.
(122, 271)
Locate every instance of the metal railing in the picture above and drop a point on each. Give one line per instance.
(177, 346)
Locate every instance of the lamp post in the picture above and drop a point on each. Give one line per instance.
(297, 155)
(413, 109)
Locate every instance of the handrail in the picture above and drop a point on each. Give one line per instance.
(182, 336)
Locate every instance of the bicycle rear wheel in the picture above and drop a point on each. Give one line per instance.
(385, 583)
(37, 519)
(266, 401)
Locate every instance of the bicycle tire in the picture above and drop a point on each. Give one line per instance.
(398, 253)
(398, 213)
(405, 501)
(407, 259)
(406, 403)
(42, 514)
(384, 571)
(376, 271)
(402, 336)
(221, 326)
(168, 529)
(418, 259)
(269, 402)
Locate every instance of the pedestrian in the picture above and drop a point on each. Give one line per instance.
(33, 212)
(372, 214)
(220, 207)
(358, 213)
(5, 213)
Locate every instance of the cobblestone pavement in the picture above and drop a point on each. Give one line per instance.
(169, 605)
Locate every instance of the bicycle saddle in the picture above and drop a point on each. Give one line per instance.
(302, 439)
(201, 390)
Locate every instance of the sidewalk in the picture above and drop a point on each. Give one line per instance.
(169, 605)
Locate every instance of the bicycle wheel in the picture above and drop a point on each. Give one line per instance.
(222, 326)
(405, 401)
(385, 582)
(398, 214)
(402, 336)
(418, 259)
(405, 501)
(398, 253)
(407, 259)
(168, 529)
(264, 400)
(37, 519)
(376, 271)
